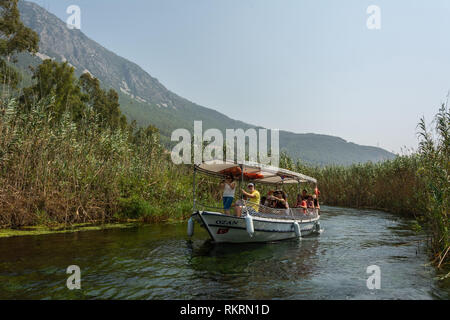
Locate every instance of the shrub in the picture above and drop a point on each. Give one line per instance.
(134, 207)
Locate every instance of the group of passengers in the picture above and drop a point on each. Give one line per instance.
(275, 199)
(307, 201)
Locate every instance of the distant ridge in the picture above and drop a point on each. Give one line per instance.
(144, 99)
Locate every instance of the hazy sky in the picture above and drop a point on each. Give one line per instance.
(298, 65)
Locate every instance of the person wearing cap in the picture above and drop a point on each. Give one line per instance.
(253, 196)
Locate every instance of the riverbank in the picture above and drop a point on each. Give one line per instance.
(44, 230)
(38, 230)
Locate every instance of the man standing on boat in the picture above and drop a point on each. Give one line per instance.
(253, 197)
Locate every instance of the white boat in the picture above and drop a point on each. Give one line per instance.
(264, 225)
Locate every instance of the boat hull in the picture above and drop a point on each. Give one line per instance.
(230, 229)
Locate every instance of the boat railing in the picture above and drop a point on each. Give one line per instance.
(276, 213)
(206, 206)
(271, 213)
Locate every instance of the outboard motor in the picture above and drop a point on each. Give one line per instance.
(190, 228)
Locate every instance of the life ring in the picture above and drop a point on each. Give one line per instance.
(235, 171)
(251, 175)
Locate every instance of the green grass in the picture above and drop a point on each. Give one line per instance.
(42, 229)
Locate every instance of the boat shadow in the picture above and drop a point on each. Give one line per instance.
(283, 260)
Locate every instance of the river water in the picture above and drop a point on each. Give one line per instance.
(158, 262)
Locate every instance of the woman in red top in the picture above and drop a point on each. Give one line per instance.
(301, 203)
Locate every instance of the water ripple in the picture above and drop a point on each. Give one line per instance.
(158, 262)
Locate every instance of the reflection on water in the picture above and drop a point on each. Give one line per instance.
(159, 262)
(253, 270)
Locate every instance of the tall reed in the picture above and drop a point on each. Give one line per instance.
(415, 185)
(59, 171)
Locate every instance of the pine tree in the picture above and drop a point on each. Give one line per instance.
(57, 80)
(15, 37)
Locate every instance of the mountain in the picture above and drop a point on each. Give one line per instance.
(144, 99)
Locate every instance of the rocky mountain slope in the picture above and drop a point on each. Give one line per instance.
(144, 99)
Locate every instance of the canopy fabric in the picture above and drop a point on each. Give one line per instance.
(254, 171)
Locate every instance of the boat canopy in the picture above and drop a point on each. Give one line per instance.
(253, 171)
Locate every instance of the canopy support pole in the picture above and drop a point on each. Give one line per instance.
(242, 180)
(193, 189)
